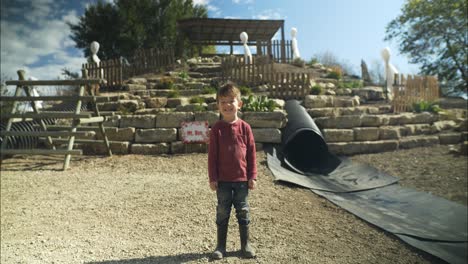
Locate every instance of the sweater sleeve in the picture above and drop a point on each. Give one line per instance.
(251, 156)
(213, 155)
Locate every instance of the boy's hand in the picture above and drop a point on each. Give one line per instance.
(252, 184)
(214, 186)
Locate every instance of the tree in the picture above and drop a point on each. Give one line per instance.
(433, 34)
(101, 22)
(128, 25)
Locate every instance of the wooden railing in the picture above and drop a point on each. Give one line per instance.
(261, 71)
(70, 131)
(279, 53)
(412, 89)
(143, 61)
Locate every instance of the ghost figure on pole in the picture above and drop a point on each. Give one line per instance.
(94, 50)
(390, 72)
(247, 54)
(295, 49)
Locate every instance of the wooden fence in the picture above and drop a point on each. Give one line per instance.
(284, 85)
(143, 61)
(276, 50)
(412, 89)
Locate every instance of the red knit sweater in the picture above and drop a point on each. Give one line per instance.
(231, 155)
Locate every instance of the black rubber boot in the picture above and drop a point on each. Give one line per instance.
(246, 249)
(220, 250)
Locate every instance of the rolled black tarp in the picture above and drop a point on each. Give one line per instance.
(303, 147)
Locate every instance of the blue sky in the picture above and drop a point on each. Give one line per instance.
(35, 37)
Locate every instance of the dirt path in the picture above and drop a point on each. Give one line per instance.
(143, 209)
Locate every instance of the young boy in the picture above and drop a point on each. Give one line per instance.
(232, 168)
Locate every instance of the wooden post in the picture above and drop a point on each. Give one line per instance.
(283, 48)
(101, 126)
(12, 111)
(75, 124)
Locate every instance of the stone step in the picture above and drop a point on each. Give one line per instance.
(390, 133)
(364, 147)
(165, 93)
(206, 69)
(372, 120)
(342, 111)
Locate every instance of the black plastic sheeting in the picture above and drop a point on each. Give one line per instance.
(304, 148)
(427, 222)
(347, 177)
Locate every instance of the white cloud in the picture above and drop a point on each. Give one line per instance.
(201, 2)
(269, 14)
(24, 45)
(242, 1)
(216, 12)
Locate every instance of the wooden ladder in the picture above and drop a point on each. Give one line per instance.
(85, 94)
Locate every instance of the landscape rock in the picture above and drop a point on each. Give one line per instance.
(150, 149)
(155, 135)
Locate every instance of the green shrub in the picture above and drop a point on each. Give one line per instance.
(312, 61)
(245, 91)
(425, 106)
(258, 104)
(298, 62)
(336, 73)
(199, 108)
(351, 84)
(209, 90)
(316, 90)
(183, 75)
(333, 75)
(197, 100)
(166, 83)
(173, 94)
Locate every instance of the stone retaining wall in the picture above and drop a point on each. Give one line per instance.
(160, 133)
(348, 127)
(369, 129)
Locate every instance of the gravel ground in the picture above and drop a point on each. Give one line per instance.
(159, 209)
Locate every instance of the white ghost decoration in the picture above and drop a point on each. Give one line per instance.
(295, 49)
(390, 72)
(247, 54)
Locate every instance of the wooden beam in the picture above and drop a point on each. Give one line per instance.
(55, 98)
(45, 115)
(47, 133)
(55, 82)
(96, 119)
(42, 152)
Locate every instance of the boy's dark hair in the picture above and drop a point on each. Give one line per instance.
(228, 89)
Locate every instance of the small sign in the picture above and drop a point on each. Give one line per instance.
(195, 132)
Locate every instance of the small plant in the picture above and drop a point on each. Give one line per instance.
(245, 91)
(350, 84)
(199, 108)
(166, 83)
(209, 90)
(258, 104)
(298, 62)
(197, 100)
(425, 106)
(183, 75)
(336, 73)
(312, 61)
(173, 94)
(316, 90)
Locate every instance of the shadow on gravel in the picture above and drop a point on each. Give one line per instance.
(158, 259)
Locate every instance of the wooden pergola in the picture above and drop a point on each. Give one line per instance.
(219, 31)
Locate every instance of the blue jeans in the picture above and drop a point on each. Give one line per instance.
(232, 193)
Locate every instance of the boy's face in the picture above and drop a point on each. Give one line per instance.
(228, 107)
